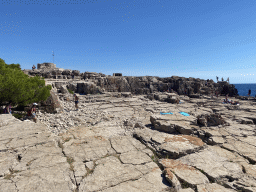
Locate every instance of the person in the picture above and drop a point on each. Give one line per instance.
(8, 109)
(33, 67)
(32, 112)
(76, 101)
(249, 92)
(73, 76)
(227, 98)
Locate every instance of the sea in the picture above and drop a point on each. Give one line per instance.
(244, 88)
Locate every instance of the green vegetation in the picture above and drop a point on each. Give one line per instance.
(20, 89)
(70, 91)
(19, 115)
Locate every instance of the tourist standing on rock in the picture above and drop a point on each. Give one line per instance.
(33, 68)
(76, 101)
(32, 112)
(227, 98)
(249, 92)
(217, 94)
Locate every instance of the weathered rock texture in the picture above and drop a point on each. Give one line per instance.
(98, 82)
(121, 142)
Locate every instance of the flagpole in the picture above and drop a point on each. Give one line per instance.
(53, 55)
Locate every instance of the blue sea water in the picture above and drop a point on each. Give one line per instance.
(244, 88)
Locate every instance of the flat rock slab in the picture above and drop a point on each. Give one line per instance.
(7, 185)
(134, 158)
(107, 129)
(23, 128)
(122, 144)
(213, 187)
(240, 130)
(120, 111)
(165, 144)
(172, 123)
(52, 179)
(106, 106)
(184, 172)
(243, 148)
(7, 119)
(7, 161)
(174, 117)
(215, 166)
(111, 173)
(36, 168)
(88, 149)
(186, 190)
(150, 182)
(45, 155)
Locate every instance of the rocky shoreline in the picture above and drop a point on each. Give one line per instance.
(126, 142)
(144, 134)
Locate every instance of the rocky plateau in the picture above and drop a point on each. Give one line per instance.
(123, 143)
(131, 140)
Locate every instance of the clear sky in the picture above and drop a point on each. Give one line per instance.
(188, 38)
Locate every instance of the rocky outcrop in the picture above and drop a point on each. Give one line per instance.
(139, 85)
(52, 104)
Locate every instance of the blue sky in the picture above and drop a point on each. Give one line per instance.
(188, 38)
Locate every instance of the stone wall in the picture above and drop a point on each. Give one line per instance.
(46, 66)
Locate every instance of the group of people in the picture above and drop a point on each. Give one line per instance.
(230, 101)
(31, 113)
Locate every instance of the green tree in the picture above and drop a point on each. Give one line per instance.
(19, 88)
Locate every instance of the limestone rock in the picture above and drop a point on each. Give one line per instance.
(173, 123)
(63, 89)
(51, 104)
(184, 172)
(215, 166)
(173, 146)
(212, 187)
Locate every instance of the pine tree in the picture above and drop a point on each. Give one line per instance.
(20, 89)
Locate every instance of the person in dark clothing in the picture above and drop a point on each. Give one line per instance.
(249, 92)
(76, 101)
(7, 109)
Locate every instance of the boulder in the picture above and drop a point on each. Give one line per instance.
(52, 104)
(72, 87)
(63, 89)
(88, 88)
(76, 72)
(211, 120)
(173, 123)
(67, 72)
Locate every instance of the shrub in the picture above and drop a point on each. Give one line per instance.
(18, 88)
(70, 91)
